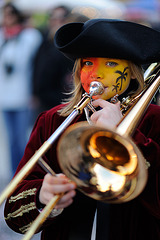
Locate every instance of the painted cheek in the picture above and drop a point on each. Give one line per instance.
(127, 75)
(85, 80)
(126, 83)
(89, 74)
(109, 77)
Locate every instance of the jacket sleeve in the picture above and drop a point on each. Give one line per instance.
(20, 208)
(147, 137)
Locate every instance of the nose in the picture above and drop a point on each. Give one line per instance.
(99, 77)
(96, 76)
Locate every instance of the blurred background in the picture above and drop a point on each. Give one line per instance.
(45, 91)
(136, 10)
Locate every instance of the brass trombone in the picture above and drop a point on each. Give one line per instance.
(129, 168)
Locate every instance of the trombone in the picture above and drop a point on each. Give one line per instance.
(132, 172)
(106, 164)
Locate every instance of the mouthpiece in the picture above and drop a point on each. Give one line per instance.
(96, 88)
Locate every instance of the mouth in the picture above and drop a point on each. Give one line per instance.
(96, 88)
(105, 92)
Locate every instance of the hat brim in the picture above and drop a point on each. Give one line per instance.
(109, 38)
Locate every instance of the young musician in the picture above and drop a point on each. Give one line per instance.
(111, 52)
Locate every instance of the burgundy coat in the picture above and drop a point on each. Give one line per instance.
(135, 220)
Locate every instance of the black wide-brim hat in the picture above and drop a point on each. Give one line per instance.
(109, 38)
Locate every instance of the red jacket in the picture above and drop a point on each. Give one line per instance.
(135, 220)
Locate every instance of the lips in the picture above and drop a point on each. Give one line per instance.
(99, 96)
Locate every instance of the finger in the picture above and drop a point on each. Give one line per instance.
(61, 188)
(100, 103)
(58, 179)
(48, 192)
(118, 104)
(94, 117)
(47, 197)
(66, 200)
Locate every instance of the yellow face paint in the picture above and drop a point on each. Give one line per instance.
(114, 74)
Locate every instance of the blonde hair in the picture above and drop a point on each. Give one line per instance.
(76, 94)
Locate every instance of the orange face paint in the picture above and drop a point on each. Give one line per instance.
(114, 74)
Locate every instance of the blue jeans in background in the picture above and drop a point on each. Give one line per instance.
(17, 126)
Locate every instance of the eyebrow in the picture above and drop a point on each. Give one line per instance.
(87, 58)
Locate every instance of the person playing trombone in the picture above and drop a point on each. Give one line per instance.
(111, 52)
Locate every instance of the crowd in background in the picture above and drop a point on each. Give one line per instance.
(18, 46)
(34, 76)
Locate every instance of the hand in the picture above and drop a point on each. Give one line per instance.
(53, 185)
(109, 116)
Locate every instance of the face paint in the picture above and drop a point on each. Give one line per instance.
(114, 74)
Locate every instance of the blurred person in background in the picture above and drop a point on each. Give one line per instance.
(18, 46)
(52, 76)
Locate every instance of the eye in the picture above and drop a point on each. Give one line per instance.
(87, 63)
(111, 64)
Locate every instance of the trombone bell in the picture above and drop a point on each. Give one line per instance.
(104, 165)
